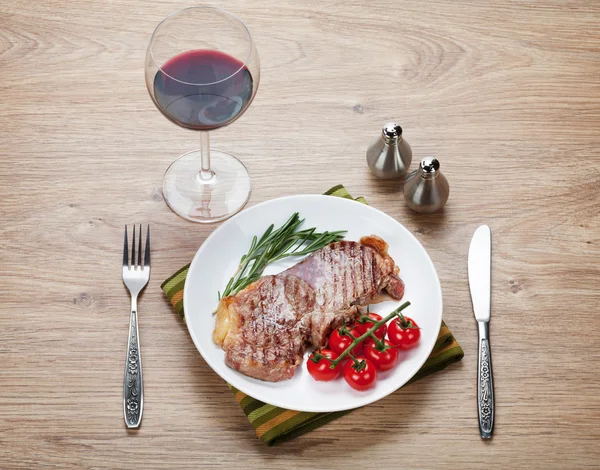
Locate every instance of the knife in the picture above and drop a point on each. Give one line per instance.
(480, 260)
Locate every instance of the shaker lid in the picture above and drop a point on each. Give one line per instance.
(430, 167)
(391, 131)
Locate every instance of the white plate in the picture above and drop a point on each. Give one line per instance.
(217, 260)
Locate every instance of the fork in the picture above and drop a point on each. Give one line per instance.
(135, 277)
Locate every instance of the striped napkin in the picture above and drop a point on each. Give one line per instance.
(273, 424)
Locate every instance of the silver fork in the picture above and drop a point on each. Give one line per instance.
(135, 277)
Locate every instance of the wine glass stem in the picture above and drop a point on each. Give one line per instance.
(205, 172)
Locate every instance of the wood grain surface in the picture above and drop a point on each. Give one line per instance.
(506, 94)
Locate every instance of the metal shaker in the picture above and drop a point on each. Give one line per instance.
(426, 190)
(390, 155)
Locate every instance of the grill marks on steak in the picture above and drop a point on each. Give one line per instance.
(265, 328)
(268, 327)
(344, 274)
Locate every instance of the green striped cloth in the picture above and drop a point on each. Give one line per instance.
(273, 424)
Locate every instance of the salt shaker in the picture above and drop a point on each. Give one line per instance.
(390, 155)
(426, 190)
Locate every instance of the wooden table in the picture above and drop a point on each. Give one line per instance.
(506, 94)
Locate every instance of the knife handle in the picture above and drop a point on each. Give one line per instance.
(485, 383)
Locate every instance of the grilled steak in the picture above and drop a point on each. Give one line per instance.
(265, 328)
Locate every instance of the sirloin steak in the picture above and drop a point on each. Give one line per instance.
(265, 328)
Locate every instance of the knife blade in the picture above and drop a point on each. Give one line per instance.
(480, 273)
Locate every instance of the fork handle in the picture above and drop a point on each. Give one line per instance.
(133, 386)
(485, 383)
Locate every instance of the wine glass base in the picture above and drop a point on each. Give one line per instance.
(211, 198)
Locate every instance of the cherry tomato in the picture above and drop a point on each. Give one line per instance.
(339, 342)
(383, 360)
(362, 376)
(404, 334)
(362, 328)
(321, 370)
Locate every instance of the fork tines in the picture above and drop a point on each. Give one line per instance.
(140, 263)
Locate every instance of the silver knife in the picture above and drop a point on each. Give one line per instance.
(480, 274)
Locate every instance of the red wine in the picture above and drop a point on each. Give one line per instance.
(203, 89)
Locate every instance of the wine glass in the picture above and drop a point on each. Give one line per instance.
(202, 72)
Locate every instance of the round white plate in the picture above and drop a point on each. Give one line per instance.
(218, 257)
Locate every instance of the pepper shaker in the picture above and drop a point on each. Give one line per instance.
(390, 155)
(426, 190)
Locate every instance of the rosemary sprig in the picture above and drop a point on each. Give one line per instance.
(274, 245)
